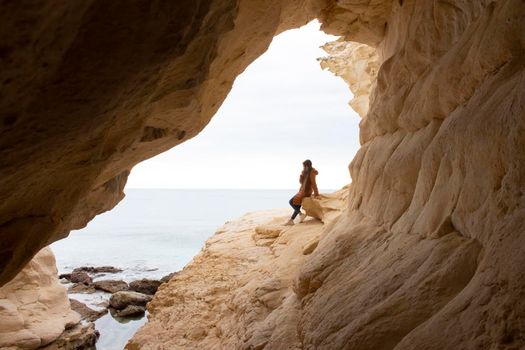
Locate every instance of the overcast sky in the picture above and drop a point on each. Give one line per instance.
(282, 110)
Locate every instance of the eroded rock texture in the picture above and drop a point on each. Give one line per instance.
(34, 307)
(428, 254)
(357, 64)
(90, 88)
(237, 293)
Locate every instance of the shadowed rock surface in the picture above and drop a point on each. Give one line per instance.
(79, 337)
(129, 311)
(145, 286)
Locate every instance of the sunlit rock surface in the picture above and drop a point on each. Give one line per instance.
(357, 64)
(34, 306)
(237, 293)
(429, 252)
(327, 207)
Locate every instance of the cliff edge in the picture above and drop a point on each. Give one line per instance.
(238, 292)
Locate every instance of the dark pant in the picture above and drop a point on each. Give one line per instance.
(296, 208)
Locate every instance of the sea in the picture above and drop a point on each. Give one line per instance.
(151, 233)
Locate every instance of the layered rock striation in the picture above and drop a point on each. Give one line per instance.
(427, 255)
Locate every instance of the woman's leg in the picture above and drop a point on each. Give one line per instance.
(296, 208)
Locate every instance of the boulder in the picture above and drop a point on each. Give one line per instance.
(129, 311)
(78, 277)
(111, 286)
(326, 207)
(85, 312)
(120, 300)
(145, 286)
(34, 307)
(82, 336)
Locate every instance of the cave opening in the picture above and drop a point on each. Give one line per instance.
(283, 109)
(428, 240)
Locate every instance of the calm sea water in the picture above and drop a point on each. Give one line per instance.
(152, 233)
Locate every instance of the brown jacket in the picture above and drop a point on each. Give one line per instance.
(306, 187)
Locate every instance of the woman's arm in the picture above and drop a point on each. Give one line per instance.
(314, 184)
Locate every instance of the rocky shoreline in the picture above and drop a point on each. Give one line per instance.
(40, 309)
(123, 299)
(239, 291)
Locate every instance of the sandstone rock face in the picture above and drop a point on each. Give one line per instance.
(328, 207)
(236, 293)
(427, 255)
(358, 65)
(91, 88)
(34, 307)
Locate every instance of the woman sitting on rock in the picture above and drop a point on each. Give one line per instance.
(307, 180)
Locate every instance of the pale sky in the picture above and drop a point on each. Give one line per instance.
(282, 110)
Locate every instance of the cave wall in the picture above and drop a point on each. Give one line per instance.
(91, 88)
(430, 253)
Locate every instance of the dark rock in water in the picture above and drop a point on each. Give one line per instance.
(120, 300)
(77, 277)
(66, 276)
(129, 311)
(168, 277)
(111, 286)
(86, 313)
(145, 286)
(97, 269)
(79, 337)
(81, 288)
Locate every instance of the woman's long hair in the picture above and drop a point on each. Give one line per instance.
(306, 181)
